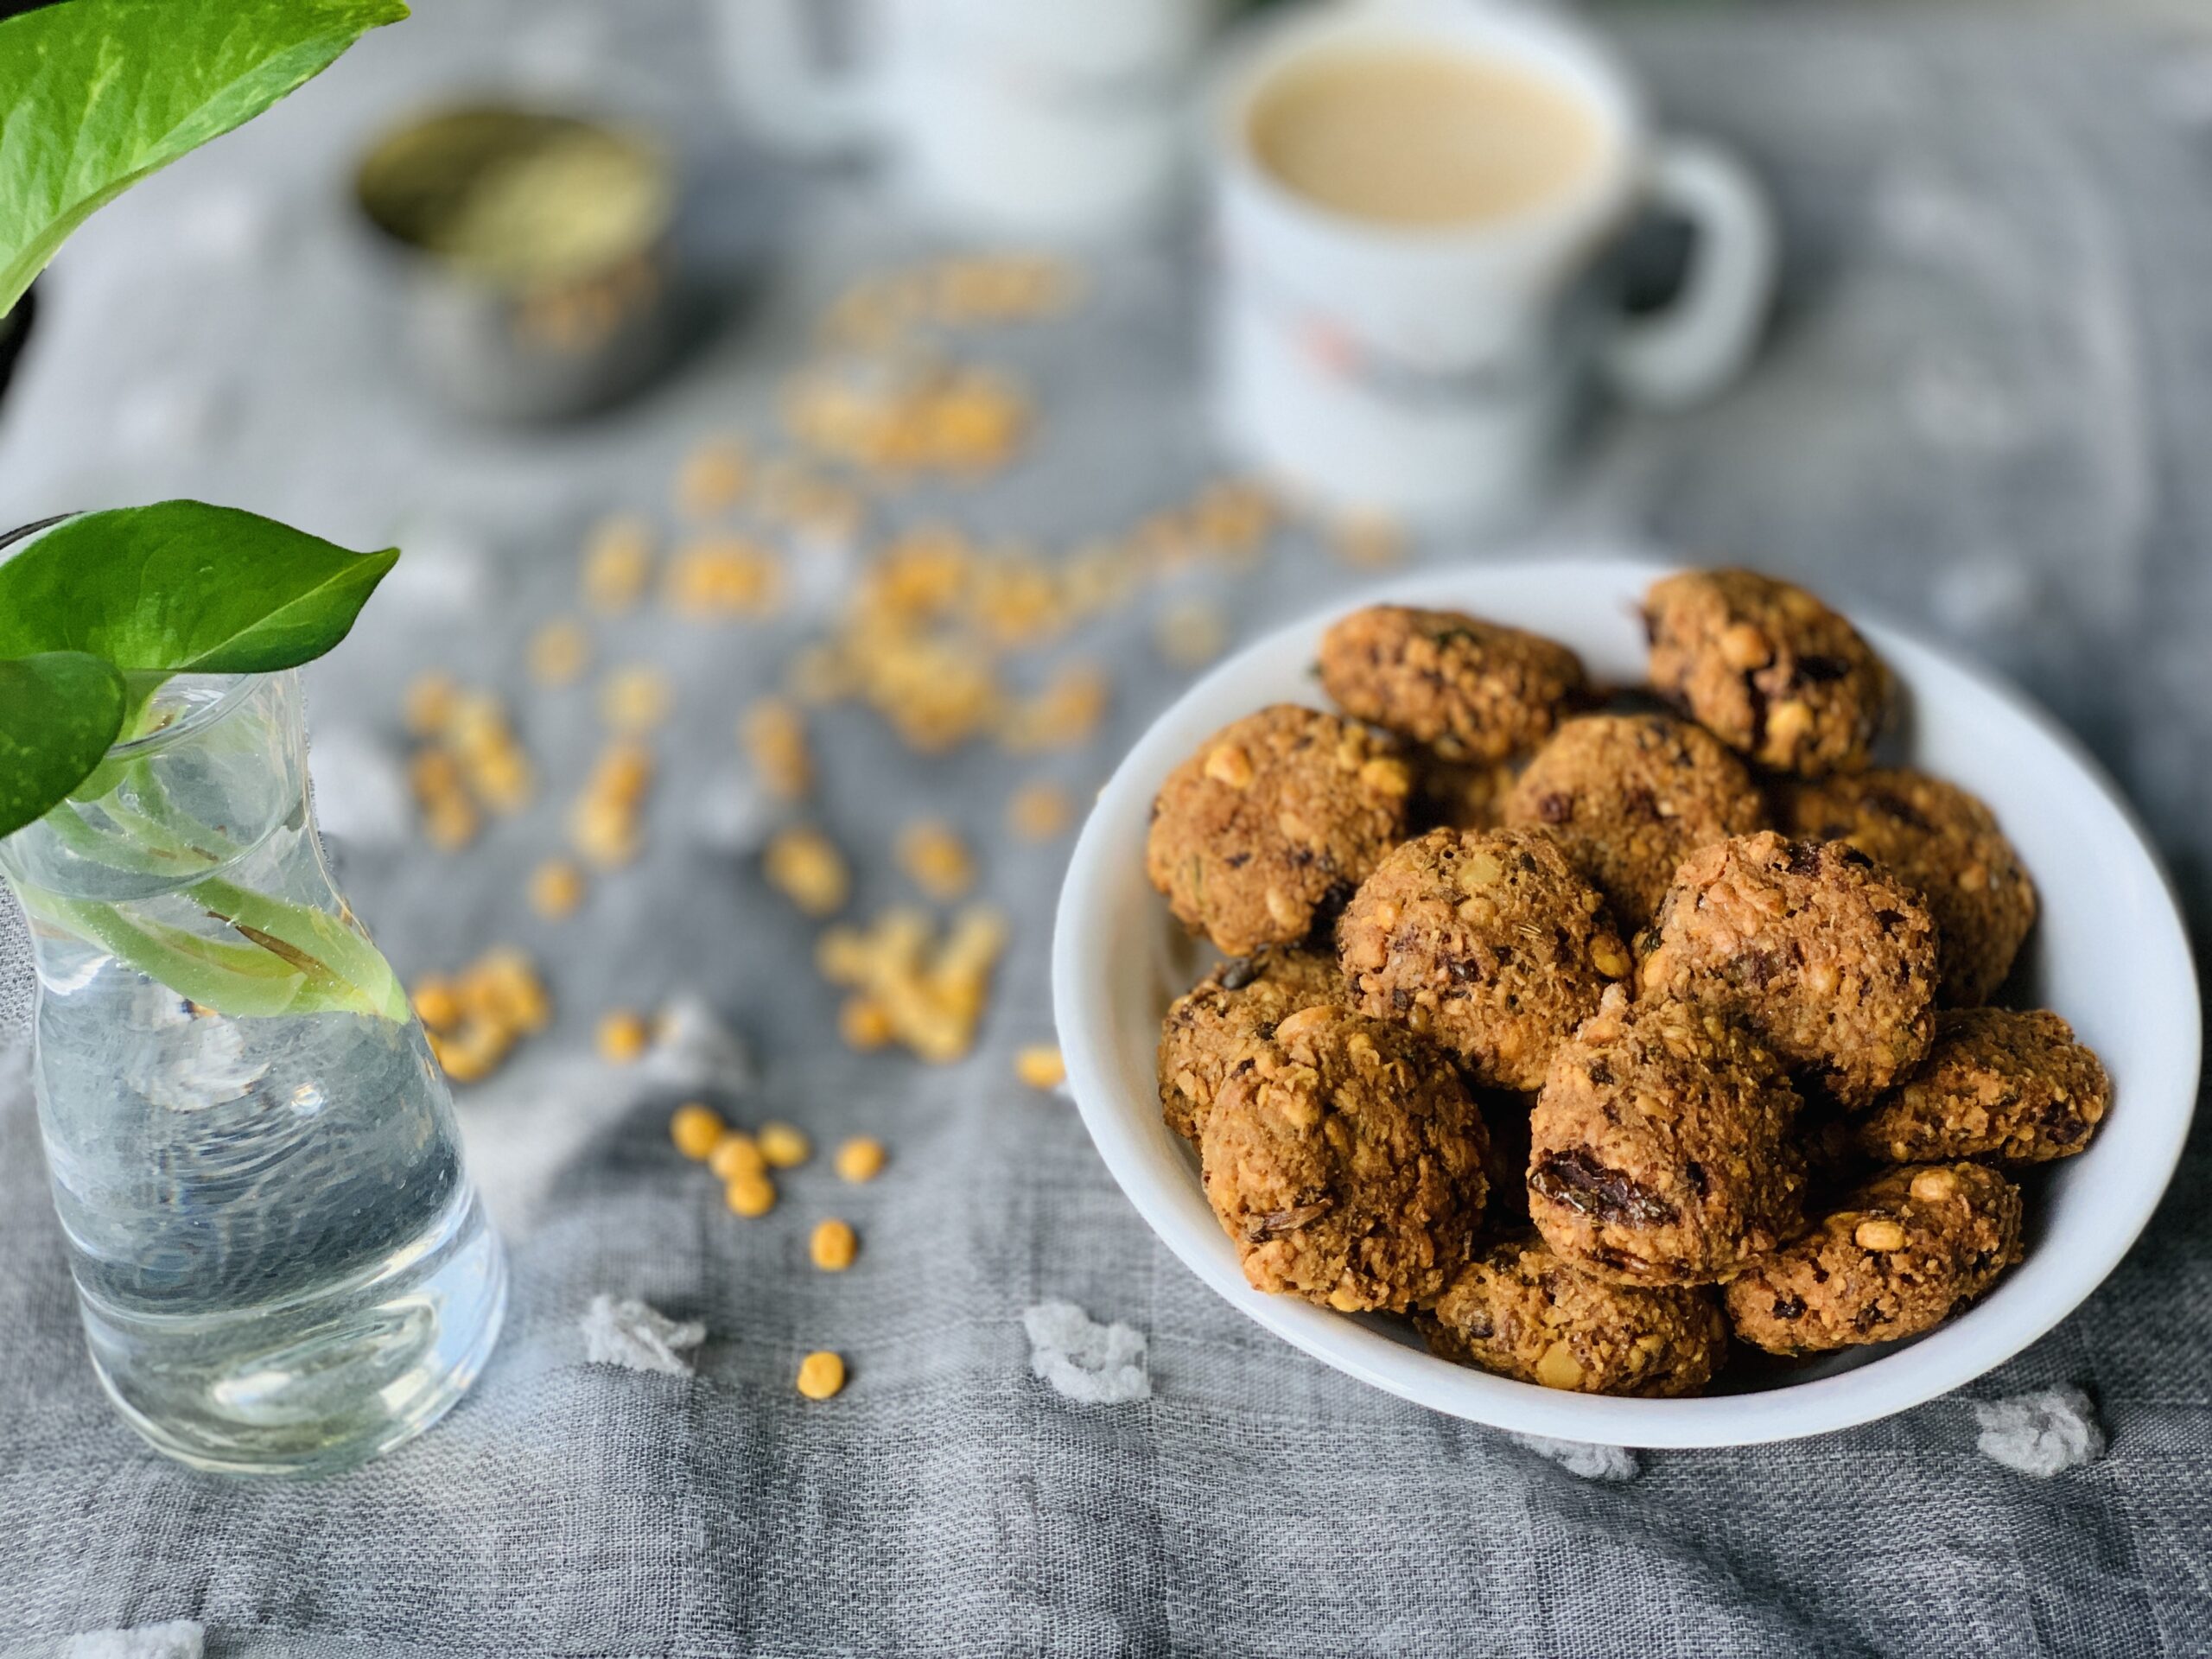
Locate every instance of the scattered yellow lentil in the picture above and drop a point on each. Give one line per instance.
(435, 777)
(470, 1055)
(697, 1131)
(635, 699)
(783, 1145)
(930, 995)
(1002, 287)
(907, 414)
(622, 1037)
(806, 867)
(864, 1023)
(918, 577)
(1097, 576)
(559, 652)
(428, 704)
(503, 989)
(920, 644)
(1190, 634)
(828, 512)
(935, 691)
(517, 976)
(736, 1153)
(820, 1374)
(1234, 516)
(1041, 1067)
(503, 779)
(712, 477)
(878, 311)
(1165, 541)
(476, 1017)
(1064, 714)
(924, 634)
(749, 1193)
(936, 859)
(556, 887)
(436, 1004)
(623, 773)
(800, 498)
(1367, 543)
(860, 1159)
(833, 1244)
(470, 761)
(604, 832)
(871, 314)
(1040, 811)
(448, 815)
(493, 761)
(1015, 600)
(821, 673)
(724, 577)
(449, 823)
(774, 736)
(603, 822)
(618, 562)
(483, 1001)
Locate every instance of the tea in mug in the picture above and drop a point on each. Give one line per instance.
(1423, 139)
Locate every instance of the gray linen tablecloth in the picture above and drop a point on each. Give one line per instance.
(1986, 410)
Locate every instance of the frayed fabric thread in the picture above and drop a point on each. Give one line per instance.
(179, 1638)
(629, 1333)
(2043, 1434)
(1090, 1364)
(1591, 1462)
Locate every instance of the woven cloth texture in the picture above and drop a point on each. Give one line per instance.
(1984, 411)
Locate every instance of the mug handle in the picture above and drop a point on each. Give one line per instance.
(1702, 340)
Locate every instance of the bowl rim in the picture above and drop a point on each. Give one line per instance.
(1898, 1379)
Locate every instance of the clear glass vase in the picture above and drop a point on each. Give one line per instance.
(281, 1265)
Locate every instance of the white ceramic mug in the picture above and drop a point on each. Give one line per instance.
(1038, 118)
(804, 74)
(1430, 372)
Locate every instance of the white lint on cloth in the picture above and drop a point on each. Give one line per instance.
(735, 814)
(629, 1333)
(1091, 1363)
(1579, 1458)
(695, 1051)
(2043, 1434)
(179, 1638)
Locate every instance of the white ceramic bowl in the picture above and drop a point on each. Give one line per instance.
(2109, 953)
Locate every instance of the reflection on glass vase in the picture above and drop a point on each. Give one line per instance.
(281, 1265)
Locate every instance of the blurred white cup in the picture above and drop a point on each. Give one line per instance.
(1428, 369)
(804, 75)
(1040, 118)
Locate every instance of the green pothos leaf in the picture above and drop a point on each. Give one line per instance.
(184, 587)
(59, 712)
(96, 94)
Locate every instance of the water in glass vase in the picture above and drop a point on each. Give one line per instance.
(281, 1263)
